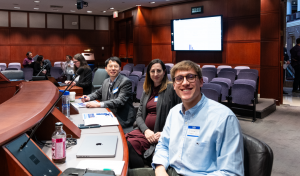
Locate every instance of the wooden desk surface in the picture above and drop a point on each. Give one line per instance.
(26, 109)
(78, 90)
(72, 161)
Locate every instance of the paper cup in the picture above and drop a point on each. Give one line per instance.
(72, 96)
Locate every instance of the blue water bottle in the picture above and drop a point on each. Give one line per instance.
(65, 101)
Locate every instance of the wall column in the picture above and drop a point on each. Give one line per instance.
(289, 7)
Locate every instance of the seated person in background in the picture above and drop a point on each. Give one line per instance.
(28, 61)
(85, 79)
(68, 67)
(200, 137)
(115, 94)
(39, 67)
(156, 101)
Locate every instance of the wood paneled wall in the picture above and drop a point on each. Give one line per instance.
(251, 36)
(53, 44)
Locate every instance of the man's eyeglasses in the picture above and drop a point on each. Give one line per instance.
(189, 77)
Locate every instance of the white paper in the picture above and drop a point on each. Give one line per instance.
(116, 166)
(82, 105)
(103, 119)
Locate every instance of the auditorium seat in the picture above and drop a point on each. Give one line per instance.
(243, 96)
(125, 73)
(169, 77)
(3, 66)
(128, 67)
(57, 64)
(135, 78)
(227, 74)
(130, 64)
(138, 68)
(139, 90)
(136, 73)
(229, 69)
(239, 68)
(145, 70)
(28, 73)
(168, 69)
(220, 67)
(13, 74)
(170, 64)
(99, 76)
(205, 79)
(140, 65)
(209, 72)
(249, 70)
(225, 83)
(208, 66)
(14, 65)
(247, 75)
(212, 91)
(258, 157)
(56, 72)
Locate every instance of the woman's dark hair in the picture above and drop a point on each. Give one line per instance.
(27, 54)
(115, 59)
(298, 40)
(148, 81)
(79, 57)
(39, 59)
(70, 57)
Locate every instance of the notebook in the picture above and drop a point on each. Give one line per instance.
(98, 146)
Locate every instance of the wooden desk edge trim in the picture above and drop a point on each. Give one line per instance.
(125, 149)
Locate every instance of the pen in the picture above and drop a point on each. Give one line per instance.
(87, 127)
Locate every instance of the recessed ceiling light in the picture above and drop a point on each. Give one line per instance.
(112, 8)
(138, 5)
(17, 7)
(104, 11)
(76, 4)
(72, 10)
(89, 11)
(55, 10)
(152, 2)
(167, 0)
(36, 8)
(36, 1)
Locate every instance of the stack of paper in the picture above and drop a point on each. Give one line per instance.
(103, 119)
(116, 166)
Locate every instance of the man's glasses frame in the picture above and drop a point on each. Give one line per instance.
(189, 77)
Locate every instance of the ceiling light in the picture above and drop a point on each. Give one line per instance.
(36, 1)
(152, 2)
(104, 11)
(36, 8)
(76, 4)
(111, 8)
(138, 5)
(72, 10)
(55, 10)
(17, 7)
(89, 11)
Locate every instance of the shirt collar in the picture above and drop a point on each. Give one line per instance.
(196, 108)
(112, 83)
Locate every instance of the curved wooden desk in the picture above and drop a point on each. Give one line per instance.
(23, 111)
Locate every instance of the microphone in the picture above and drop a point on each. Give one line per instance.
(79, 71)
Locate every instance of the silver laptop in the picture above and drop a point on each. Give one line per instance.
(103, 146)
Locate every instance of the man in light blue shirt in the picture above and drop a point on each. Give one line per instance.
(201, 136)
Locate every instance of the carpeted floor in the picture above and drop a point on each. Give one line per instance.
(281, 131)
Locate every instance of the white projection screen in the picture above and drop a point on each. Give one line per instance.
(197, 34)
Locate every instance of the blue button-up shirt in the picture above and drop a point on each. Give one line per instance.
(215, 150)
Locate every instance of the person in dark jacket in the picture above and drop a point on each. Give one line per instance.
(157, 99)
(85, 79)
(295, 57)
(115, 94)
(38, 68)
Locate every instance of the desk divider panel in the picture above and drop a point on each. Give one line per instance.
(44, 132)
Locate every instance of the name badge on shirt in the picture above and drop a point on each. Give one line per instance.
(115, 90)
(193, 131)
(155, 98)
